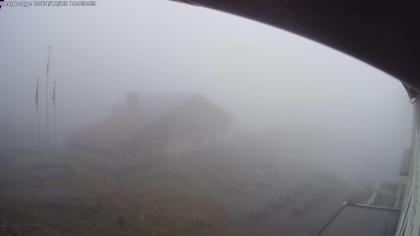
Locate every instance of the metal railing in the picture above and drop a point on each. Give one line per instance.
(409, 221)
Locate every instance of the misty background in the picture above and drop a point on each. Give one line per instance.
(325, 108)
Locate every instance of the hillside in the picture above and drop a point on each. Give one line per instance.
(237, 188)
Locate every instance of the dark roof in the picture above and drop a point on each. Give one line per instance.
(152, 110)
(384, 34)
(125, 121)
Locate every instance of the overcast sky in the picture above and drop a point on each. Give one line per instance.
(266, 77)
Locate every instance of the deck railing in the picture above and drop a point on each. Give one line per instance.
(409, 221)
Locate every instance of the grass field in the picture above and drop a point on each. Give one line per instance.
(238, 189)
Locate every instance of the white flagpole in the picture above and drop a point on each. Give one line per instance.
(47, 101)
(37, 112)
(55, 116)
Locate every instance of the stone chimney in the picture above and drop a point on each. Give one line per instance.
(132, 101)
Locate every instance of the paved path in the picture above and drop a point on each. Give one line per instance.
(357, 221)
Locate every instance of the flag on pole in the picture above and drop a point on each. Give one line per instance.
(36, 92)
(48, 62)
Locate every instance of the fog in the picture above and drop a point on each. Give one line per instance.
(320, 106)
